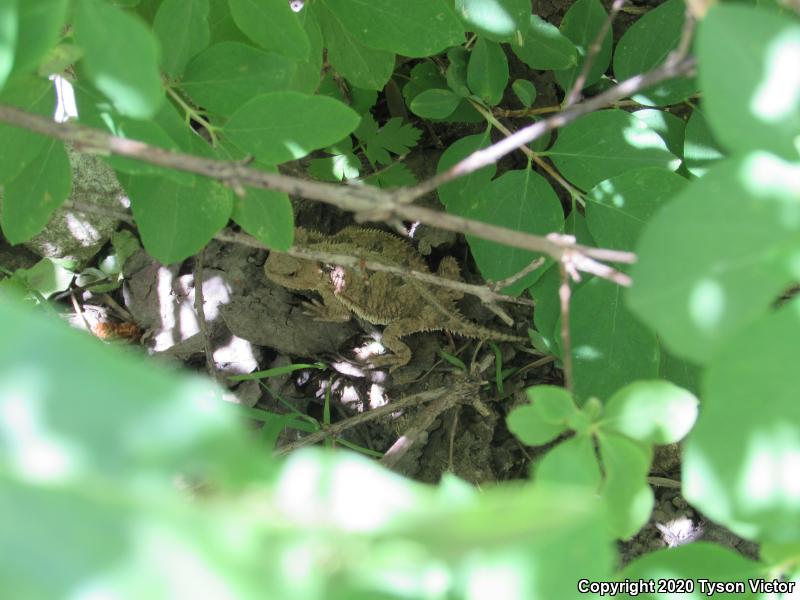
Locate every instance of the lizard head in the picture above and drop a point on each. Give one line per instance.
(292, 273)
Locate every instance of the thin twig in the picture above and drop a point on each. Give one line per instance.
(547, 110)
(591, 54)
(490, 155)
(199, 309)
(535, 264)
(528, 152)
(420, 425)
(79, 311)
(485, 294)
(376, 413)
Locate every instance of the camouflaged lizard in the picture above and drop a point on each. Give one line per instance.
(403, 305)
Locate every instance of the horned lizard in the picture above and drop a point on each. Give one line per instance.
(404, 305)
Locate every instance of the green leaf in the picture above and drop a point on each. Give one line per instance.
(435, 103)
(267, 216)
(40, 24)
(362, 66)
(522, 200)
(553, 404)
(525, 91)
(606, 143)
(755, 105)
(572, 462)
(611, 348)
(125, 245)
(654, 412)
(461, 190)
(740, 460)
(284, 126)
(626, 494)
(126, 73)
(426, 76)
(679, 371)
(148, 132)
(701, 150)
(59, 59)
(395, 137)
(646, 45)
(394, 176)
(226, 75)
(307, 77)
(692, 562)
(580, 25)
(414, 28)
(20, 146)
(335, 168)
(496, 20)
(544, 47)
(9, 29)
(30, 199)
(46, 277)
(181, 27)
(487, 72)
(530, 428)
(153, 424)
(618, 208)
(545, 294)
(272, 25)
(670, 127)
(699, 277)
(175, 221)
(456, 74)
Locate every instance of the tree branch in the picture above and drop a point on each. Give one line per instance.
(366, 201)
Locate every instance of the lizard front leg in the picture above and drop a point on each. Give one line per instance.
(400, 352)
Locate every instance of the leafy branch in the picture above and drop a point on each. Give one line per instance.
(371, 203)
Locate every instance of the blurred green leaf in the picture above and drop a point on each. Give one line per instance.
(126, 73)
(496, 20)
(739, 460)
(31, 198)
(40, 24)
(701, 278)
(627, 495)
(701, 150)
(20, 146)
(654, 412)
(754, 106)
